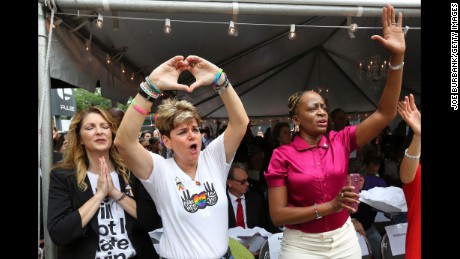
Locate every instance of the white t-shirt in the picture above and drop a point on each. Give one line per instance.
(194, 214)
(113, 238)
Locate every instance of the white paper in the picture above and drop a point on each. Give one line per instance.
(362, 244)
(380, 217)
(397, 237)
(274, 244)
(387, 199)
(155, 236)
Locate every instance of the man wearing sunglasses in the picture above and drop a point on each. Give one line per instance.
(252, 211)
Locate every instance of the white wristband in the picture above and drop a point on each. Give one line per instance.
(411, 157)
(394, 68)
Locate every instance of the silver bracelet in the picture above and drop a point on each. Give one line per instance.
(412, 157)
(317, 213)
(394, 68)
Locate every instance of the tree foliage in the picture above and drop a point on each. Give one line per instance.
(85, 99)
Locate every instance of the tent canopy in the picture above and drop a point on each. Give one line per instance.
(262, 63)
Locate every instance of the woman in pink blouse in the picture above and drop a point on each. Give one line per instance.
(308, 193)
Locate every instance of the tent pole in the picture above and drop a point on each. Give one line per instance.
(244, 8)
(44, 130)
(399, 3)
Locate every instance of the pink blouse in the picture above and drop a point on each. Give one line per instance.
(314, 175)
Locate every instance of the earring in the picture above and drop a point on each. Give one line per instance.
(296, 128)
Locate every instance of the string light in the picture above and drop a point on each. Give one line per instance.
(167, 29)
(107, 58)
(88, 45)
(99, 21)
(231, 29)
(292, 34)
(233, 24)
(132, 76)
(122, 68)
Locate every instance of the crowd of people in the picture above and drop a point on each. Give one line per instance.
(113, 183)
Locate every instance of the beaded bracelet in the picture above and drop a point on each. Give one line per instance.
(216, 79)
(138, 108)
(221, 88)
(147, 94)
(412, 157)
(151, 85)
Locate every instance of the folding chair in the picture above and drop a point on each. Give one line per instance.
(264, 252)
(366, 251)
(386, 249)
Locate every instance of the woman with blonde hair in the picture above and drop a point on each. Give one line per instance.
(189, 188)
(96, 208)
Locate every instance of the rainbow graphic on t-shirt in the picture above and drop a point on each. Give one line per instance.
(200, 200)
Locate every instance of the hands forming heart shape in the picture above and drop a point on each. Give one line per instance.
(165, 76)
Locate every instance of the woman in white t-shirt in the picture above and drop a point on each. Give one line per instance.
(189, 188)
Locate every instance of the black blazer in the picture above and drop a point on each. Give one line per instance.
(256, 213)
(64, 221)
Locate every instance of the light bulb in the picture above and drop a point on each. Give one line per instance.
(231, 29)
(132, 76)
(167, 30)
(88, 45)
(353, 27)
(99, 21)
(107, 58)
(122, 68)
(292, 34)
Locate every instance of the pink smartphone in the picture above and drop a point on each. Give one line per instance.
(353, 180)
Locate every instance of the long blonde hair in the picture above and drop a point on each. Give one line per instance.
(75, 156)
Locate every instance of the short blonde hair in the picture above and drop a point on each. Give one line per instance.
(172, 112)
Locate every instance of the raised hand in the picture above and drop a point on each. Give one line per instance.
(393, 36)
(165, 76)
(203, 71)
(410, 114)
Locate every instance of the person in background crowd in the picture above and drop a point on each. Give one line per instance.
(155, 145)
(306, 179)
(253, 210)
(96, 207)
(410, 172)
(117, 115)
(189, 188)
(339, 119)
(207, 136)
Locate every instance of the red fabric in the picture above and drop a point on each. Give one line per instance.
(412, 191)
(239, 214)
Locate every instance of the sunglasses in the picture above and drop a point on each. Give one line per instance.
(242, 182)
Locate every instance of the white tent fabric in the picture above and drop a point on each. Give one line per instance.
(264, 66)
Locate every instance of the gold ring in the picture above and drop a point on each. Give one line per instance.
(393, 23)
